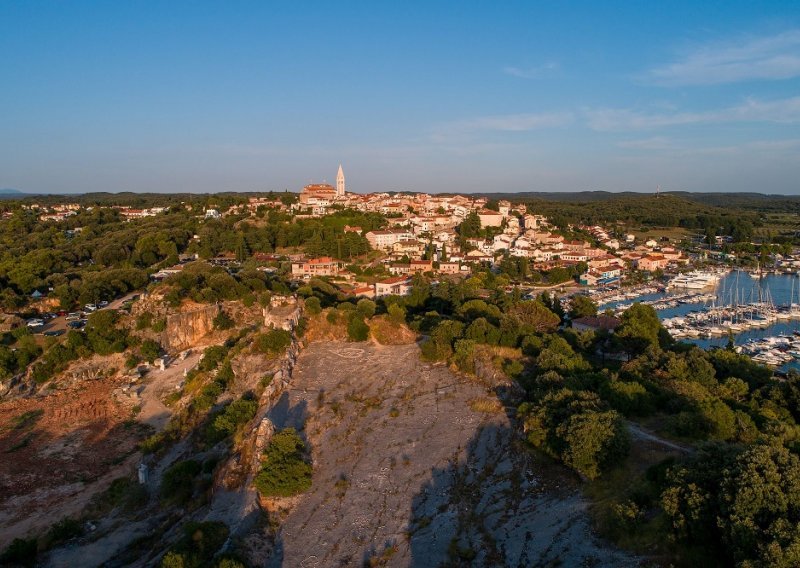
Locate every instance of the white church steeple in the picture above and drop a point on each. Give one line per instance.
(340, 188)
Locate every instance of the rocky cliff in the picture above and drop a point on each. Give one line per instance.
(186, 328)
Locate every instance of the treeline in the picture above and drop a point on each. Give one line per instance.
(39, 256)
(204, 283)
(96, 255)
(646, 210)
(319, 237)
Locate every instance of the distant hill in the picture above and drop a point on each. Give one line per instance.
(9, 191)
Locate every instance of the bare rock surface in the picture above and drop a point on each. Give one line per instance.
(406, 473)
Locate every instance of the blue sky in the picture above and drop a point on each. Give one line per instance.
(421, 96)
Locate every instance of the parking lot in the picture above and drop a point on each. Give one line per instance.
(54, 324)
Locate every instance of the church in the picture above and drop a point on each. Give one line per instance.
(323, 194)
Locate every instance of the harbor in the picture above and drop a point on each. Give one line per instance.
(761, 313)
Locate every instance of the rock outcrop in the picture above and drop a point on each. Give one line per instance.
(186, 328)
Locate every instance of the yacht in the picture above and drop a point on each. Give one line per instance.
(696, 280)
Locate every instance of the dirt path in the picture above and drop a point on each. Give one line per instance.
(639, 433)
(406, 473)
(158, 385)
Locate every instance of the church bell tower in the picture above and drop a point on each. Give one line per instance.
(340, 182)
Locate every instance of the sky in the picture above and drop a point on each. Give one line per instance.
(417, 96)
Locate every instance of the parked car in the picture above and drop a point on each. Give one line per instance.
(103, 304)
(90, 307)
(76, 324)
(73, 317)
(54, 332)
(35, 322)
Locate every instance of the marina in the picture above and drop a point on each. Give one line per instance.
(760, 312)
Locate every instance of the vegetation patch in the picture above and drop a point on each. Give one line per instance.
(285, 471)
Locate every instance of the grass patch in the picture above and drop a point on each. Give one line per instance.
(485, 404)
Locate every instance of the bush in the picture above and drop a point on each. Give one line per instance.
(150, 350)
(21, 552)
(357, 329)
(285, 473)
(212, 357)
(144, 321)
(159, 325)
(62, 531)
(229, 420)
(313, 306)
(274, 341)
(223, 321)
(576, 427)
(124, 492)
(397, 314)
(200, 543)
(366, 308)
(177, 485)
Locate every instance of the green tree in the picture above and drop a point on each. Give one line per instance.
(285, 472)
(640, 328)
(366, 308)
(535, 316)
(357, 329)
(760, 507)
(582, 306)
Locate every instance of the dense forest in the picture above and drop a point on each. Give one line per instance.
(96, 255)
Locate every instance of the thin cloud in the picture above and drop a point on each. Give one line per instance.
(530, 72)
(654, 143)
(501, 123)
(686, 149)
(786, 111)
(773, 57)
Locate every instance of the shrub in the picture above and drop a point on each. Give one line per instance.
(124, 492)
(223, 321)
(212, 357)
(150, 350)
(274, 341)
(229, 420)
(313, 306)
(144, 321)
(366, 308)
(62, 531)
(397, 314)
(357, 329)
(284, 473)
(200, 543)
(21, 552)
(177, 485)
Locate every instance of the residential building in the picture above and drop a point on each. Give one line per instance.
(397, 286)
(324, 266)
